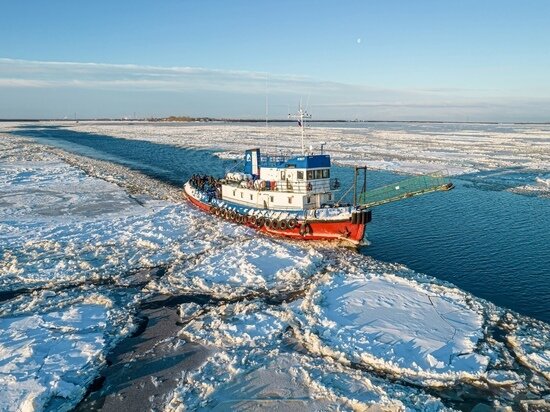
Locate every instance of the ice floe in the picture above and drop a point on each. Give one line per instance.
(362, 334)
(50, 358)
(393, 324)
(254, 366)
(532, 347)
(257, 265)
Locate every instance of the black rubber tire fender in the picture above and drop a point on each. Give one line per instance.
(292, 223)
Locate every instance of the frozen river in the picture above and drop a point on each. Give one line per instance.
(480, 236)
(144, 301)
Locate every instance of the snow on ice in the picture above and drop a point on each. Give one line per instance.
(413, 148)
(408, 148)
(52, 346)
(46, 354)
(350, 333)
(395, 323)
(257, 265)
(254, 367)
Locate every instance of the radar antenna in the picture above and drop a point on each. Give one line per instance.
(301, 116)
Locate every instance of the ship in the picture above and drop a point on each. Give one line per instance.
(296, 196)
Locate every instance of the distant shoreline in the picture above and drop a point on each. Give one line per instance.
(208, 119)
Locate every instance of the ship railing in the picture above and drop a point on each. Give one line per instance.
(310, 186)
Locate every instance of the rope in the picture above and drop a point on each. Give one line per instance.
(344, 195)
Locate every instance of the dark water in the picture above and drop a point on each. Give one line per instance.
(166, 163)
(492, 243)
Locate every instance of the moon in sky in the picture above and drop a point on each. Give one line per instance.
(359, 40)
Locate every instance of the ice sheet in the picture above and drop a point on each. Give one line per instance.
(50, 357)
(418, 148)
(355, 333)
(254, 368)
(257, 265)
(396, 324)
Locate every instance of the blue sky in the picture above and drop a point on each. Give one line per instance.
(388, 60)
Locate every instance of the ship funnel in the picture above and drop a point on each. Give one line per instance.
(252, 162)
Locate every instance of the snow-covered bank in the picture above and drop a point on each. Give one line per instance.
(354, 333)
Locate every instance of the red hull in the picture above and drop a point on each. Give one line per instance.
(342, 230)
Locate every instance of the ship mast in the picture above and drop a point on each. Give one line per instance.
(301, 115)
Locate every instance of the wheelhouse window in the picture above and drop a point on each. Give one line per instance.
(316, 174)
(300, 175)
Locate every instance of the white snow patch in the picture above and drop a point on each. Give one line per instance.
(532, 347)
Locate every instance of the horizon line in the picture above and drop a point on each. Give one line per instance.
(205, 119)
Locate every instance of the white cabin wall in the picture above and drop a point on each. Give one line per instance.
(274, 199)
(288, 186)
(269, 173)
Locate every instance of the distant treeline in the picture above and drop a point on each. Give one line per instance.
(184, 119)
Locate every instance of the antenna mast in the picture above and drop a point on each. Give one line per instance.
(301, 115)
(266, 110)
(266, 102)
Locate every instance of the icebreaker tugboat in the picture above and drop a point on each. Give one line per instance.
(294, 196)
(290, 196)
